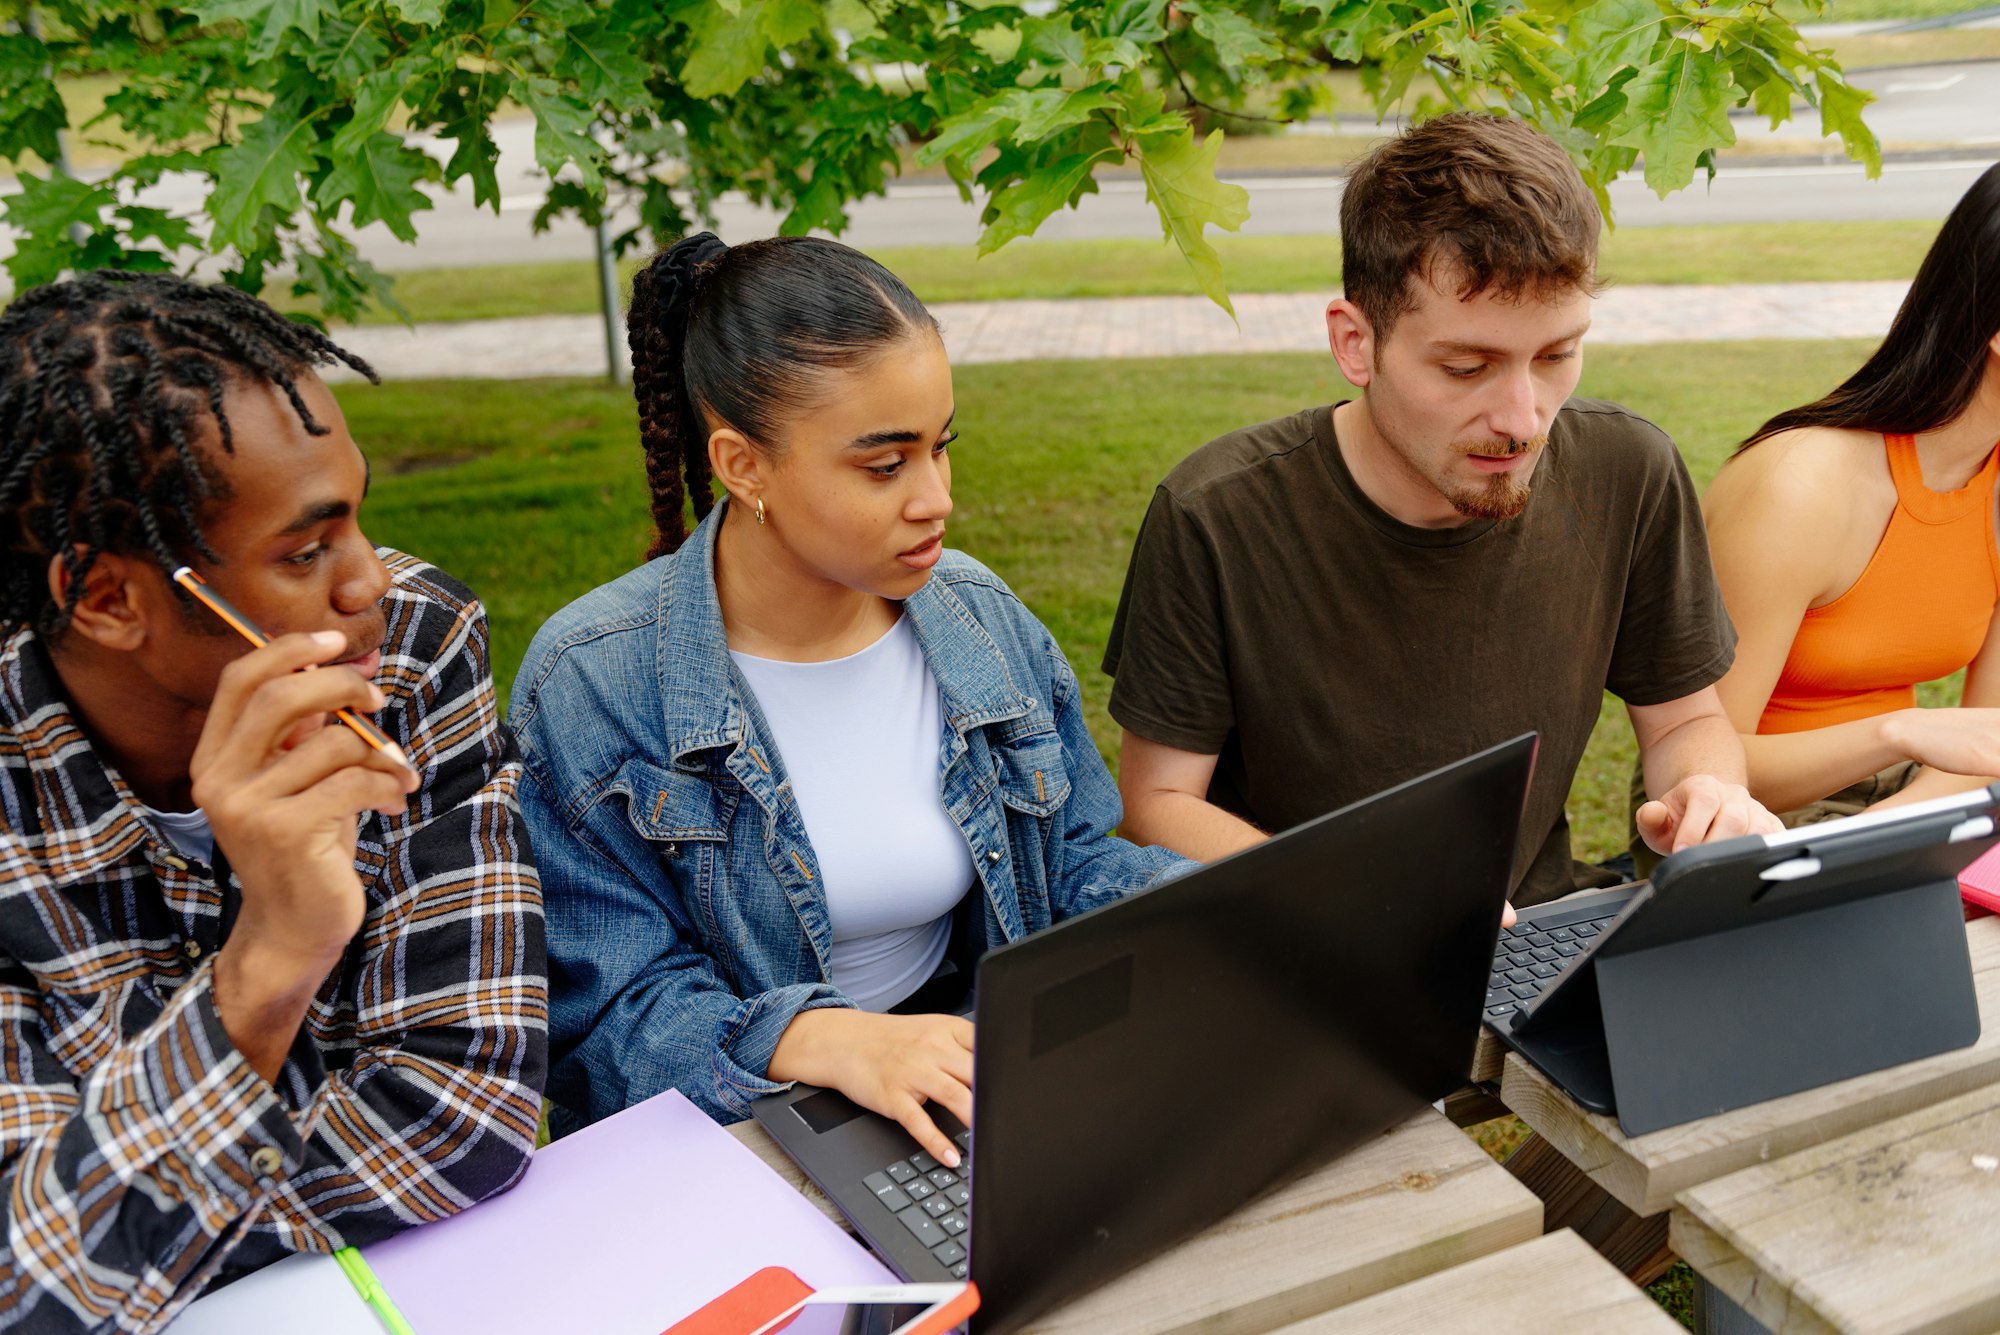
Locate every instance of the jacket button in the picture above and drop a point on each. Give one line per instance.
(267, 1161)
(192, 949)
(993, 855)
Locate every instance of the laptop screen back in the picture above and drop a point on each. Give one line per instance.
(1147, 1068)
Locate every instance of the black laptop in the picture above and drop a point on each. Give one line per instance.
(1144, 1069)
(1751, 968)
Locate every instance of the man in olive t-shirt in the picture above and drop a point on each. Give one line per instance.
(1325, 605)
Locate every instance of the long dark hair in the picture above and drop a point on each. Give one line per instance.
(743, 336)
(1929, 367)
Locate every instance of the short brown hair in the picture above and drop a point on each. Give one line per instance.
(1494, 197)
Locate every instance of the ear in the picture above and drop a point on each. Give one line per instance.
(1352, 339)
(738, 464)
(117, 603)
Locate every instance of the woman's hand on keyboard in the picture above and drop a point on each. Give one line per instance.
(890, 1064)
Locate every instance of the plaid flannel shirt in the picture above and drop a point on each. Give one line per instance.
(140, 1155)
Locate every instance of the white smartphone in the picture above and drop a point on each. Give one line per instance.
(883, 1309)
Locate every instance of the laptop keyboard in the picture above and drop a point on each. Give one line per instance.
(933, 1202)
(1531, 955)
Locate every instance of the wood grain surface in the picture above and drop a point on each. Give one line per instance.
(1554, 1284)
(1892, 1230)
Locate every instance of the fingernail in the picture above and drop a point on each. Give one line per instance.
(375, 697)
(951, 1158)
(328, 639)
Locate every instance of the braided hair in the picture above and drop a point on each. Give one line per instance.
(103, 379)
(743, 336)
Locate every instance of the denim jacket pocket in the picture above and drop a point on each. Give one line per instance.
(1033, 775)
(666, 806)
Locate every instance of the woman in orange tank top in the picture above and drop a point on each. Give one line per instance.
(1855, 542)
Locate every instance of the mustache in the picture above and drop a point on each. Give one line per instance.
(1500, 448)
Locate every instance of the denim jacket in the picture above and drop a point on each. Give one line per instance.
(686, 924)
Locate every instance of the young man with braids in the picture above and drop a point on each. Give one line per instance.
(1328, 604)
(232, 1024)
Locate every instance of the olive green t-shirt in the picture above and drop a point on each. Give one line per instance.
(1276, 618)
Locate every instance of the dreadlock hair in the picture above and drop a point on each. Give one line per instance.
(103, 378)
(744, 336)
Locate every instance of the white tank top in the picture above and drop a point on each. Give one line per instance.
(860, 738)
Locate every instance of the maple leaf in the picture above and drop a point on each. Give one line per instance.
(379, 177)
(1676, 111)
(1237, 40)
(562, 130)
(278, 17)
(1840, 104)
(1610, 35)
(261, 171)
(419, 11)
(728, 50)
(1180, 181)
(601, 62)
(1041, 112)
(974, 130)
(1022, 207)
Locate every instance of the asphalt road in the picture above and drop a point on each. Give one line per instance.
(926, 213)
(1957, 105)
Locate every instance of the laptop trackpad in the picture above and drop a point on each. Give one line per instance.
(826, 1110)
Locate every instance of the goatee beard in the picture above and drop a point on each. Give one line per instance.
(1502, 497)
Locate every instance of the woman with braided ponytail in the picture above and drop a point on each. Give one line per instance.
(788, 780)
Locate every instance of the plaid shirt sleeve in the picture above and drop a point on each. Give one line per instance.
(412, 1092)
(118, 1187)
(438, 1105)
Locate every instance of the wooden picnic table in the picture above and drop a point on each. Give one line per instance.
(1888, 1230)
(1555, 1283)
(1646, 1173)
(1420, 1198)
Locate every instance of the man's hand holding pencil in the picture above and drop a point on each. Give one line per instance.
(282, 786)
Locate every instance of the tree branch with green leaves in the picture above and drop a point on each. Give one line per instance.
(297, 116)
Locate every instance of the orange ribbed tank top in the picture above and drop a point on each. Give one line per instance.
(1919, 611)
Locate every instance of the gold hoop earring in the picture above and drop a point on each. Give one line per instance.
(760, 512)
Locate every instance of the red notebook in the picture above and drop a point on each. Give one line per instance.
(750, 1306)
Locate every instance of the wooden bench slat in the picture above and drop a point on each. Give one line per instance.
(1555, 1283)
(1891, 1230)
(1647, 1172)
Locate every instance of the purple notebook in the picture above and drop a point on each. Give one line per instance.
(621, 1229)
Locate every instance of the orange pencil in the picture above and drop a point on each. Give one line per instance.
(244, 626)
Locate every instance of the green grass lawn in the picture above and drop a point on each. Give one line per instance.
(1735, 253)
(533, 491)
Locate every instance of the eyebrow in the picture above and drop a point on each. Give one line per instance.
(315, 515)
(877, 439)
(1454, 347)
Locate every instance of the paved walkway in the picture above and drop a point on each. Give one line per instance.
(1011, 331)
